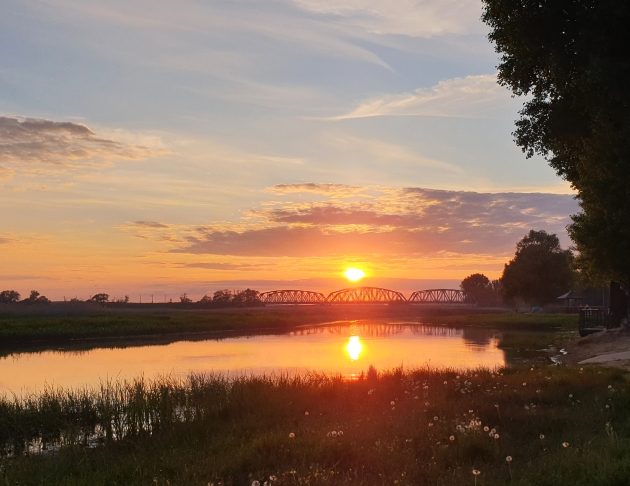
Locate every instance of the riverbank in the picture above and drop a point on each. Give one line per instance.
(91, 326)
(524, 426)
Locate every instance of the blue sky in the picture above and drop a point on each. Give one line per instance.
(198, 111)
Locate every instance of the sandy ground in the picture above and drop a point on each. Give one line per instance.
(609, 348)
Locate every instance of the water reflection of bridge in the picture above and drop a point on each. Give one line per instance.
(476, 338)
(365, 295)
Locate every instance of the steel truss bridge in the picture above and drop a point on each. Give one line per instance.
(292, 297)
(365, 295)
(439, 296)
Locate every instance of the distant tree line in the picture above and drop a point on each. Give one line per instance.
(220, 298)
(227, 298)
(13, 297)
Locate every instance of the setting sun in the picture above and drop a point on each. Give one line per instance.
(354, 348)
(354, 274)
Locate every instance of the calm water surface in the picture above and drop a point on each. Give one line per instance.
(340, 348)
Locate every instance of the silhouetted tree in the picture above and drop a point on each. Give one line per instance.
(184, 299)
(36, 298)
(478, 289)
(540, 270)
(9, 297)
(246, 297)
(570, 58)
(222, 297)
(101, 298)
(205, 300)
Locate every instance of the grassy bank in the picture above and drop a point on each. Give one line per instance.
(61, 326)
(558, 425)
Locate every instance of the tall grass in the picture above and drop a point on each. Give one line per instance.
(559, 426)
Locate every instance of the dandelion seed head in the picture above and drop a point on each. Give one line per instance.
(291, 435)
(541, 436)
(565, 444)
(452, 438)
(476, 472)
(508, 459)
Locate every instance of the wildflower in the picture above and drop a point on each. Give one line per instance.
(273, 478)
(291, 435)
(610, 387)
(565, 444)
(508, 459)
(445, 382)
(392, 403)
(436, 418)
(340, 433)
(430, 424)
(524, 383)
(486, 428)
(306, 413)
(476, 472)
(496, 436)
(426, 404)
(333, 433)
(570, 395)
(371, 391)
(541, 436)
(452, 438)
(470, 411)
(255, 482)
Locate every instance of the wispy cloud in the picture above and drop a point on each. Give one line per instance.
(149, 224)
(475, 96)
(336, 190)
(223, 266)
(417, 18)
(31, 143)
(386, 153)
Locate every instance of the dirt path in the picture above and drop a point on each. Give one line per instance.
(609, 348)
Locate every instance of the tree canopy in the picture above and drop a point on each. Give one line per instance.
(540, 270)
(571, 60)
(477, 288)
(9, 297)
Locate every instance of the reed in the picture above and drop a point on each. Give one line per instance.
(558, 425)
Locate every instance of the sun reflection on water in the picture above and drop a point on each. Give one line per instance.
(354, 348)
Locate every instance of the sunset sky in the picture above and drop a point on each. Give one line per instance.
(161, 147)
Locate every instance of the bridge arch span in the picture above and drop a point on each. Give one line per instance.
(292, 296)
(439, 296)
(365, 295)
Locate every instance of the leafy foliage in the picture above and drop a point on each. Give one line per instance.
(478, 288)
(570, 58)
(540, 270)
(99, 298)
(9, 297)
